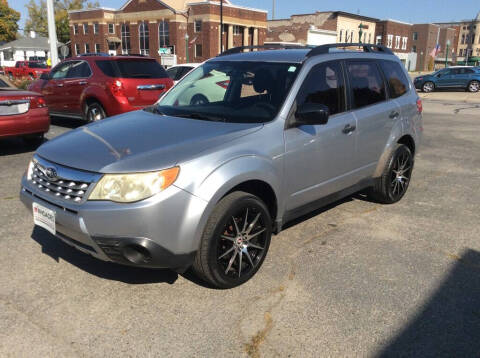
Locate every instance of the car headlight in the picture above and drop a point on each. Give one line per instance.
(127, 188)
(29, 172)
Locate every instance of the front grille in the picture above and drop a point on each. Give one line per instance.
(68, 188)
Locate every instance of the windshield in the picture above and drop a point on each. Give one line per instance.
(37, 65)
(240, 92)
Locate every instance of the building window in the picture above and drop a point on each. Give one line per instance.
(198, 25)
(397, 42)
(75, 29)
(370, 38)
(414, 48)
(378, 40)
(97, 48)
(236, 30)
(95, 28)
(111, 28)
(77, 49)
(163, 34)
(85, 29)
(144, 38)
(341, 36)
(404, 43)
(389, 41)
(198, 50)
(351, 37)
(87, 48)
(125, 33)
(415, 36)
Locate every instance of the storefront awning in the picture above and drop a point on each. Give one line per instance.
(114, 39)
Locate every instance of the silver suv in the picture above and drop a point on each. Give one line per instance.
(243, 144)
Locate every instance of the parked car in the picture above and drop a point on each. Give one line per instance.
(30, 69)
(176, 73)
(464, 77)
(3, 83)
(205, 185)
(210, 88)
(94, 87)
(24, 114)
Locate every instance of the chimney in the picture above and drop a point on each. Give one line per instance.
(33, 34)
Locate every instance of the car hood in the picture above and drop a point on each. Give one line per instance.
(139, 141)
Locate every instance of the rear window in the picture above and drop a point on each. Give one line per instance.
(397, 81)
(128, 68)
(37, 65)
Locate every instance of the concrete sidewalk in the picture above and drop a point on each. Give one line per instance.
(460, 96)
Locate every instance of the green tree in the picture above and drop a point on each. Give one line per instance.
(37, 16)
(8, 22)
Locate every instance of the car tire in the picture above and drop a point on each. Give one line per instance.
(94, 112)
(235, 241)
(473, 86)
(198, 99)
(34, 140)
(428, 87)
(396, 176)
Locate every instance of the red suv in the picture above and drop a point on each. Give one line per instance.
(93, 87)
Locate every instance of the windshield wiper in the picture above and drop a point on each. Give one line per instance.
(154, 109)
(202, 116)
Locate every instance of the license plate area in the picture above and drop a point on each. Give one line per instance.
(44, 217)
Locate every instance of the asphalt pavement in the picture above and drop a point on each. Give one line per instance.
(353, 279)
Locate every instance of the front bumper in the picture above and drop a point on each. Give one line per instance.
(161, 232)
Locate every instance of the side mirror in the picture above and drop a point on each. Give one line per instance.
(45, 76)
(311, 114)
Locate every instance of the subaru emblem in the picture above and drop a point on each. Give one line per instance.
(51, 173)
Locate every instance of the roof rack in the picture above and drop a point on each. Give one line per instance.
(324, 49)
(239, 49)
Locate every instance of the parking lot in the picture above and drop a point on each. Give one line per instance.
(353, 279)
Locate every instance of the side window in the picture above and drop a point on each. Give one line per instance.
(397, 81)
(60, 72)
(172, 72)
(79, 69)
(366, 83)
(324, 85)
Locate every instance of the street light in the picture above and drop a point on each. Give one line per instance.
(446, 54)
(186, 46)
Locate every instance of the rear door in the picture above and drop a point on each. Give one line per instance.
(53, 91)
(445, 79)
(375, 112)
(74, 84)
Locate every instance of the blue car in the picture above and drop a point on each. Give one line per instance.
(452, 77)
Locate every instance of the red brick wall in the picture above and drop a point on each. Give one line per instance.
(385, 28)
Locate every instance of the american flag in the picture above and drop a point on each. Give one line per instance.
(435, 51)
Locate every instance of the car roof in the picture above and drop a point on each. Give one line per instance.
(300, 53)
(101, 57)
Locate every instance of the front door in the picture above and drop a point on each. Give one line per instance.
(53, 91)
(74, 85)
(318, 157)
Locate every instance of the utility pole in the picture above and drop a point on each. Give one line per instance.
(52, 33)
(273, 9)
(221, 26)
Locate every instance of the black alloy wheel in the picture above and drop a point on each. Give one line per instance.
(235, 242)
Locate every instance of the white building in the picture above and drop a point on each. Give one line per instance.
(24, 49)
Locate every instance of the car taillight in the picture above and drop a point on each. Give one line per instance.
(419, 105)
(223, 84)
(37, 102)
(117, 88)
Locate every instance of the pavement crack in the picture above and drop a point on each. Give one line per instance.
(253, 347)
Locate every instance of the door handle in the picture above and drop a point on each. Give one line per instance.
(59, 84)
(394, 114)
(82, 82)
(348, 129)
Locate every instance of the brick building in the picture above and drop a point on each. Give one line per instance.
(145, 26)
(467, 40)
(343, 25)
(425, 38)
(397, 36)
